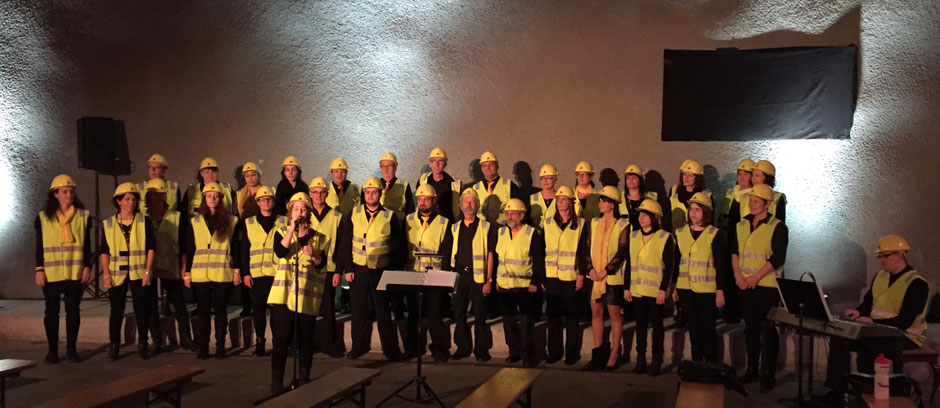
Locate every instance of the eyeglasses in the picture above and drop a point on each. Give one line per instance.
(883, 255)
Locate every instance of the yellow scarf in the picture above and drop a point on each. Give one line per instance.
(599, 254)
(584, 192)
(65, 223)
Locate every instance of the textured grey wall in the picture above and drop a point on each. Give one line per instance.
(548, 81)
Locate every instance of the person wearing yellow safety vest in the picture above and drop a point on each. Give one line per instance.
(246, 197)
(446, 187)
(584, 190)
(758, 251)
(426, 229)
(331, 226)
(256, 254)
(898, 297)
(692, 180)
(734, 204)
(652, 272)
(566, 242)
(168, 228)
(702, 253)
(468, 250)
(377, 245)
(634, 192)
(542, 204)
(208, 173)
(290, 184)
(520, 260)
(297, 292)
(212, 267)
(396, 193)
(156, 169)
(493, 191)
(765, 173)
(343, 195)
(63, 262)
(606, 261)
(126, 261)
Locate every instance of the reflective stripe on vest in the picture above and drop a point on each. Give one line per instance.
(371, 241)
(491, 205)
(647, 266)
(63, 261)
(613, 243)
(212, 261)
(262, 261)
(194, 193)
(561, 250)
(754, 250)
(307, 291)
(126, 260)
(394, 198)
(887, 300)
(424, 241)
(480, 248)
(326, 231)
(166, 256)
(515, 262)
(697, 265)
(679, 210)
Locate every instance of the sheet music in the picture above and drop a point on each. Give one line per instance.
(431, 278)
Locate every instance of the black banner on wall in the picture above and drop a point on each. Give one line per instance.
(764, 94)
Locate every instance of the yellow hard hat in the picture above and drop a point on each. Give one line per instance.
(425, 190)
(746, 165)
(634, 169)
(388, 156)
(893, 243)
(487, 157)
(702, 199)
(211, 188)
(437, 153)
(763, 191)
(317, 182)
(469, 191)
(651, 206)
(158, 158)
(691, 166)
(208, 162)
(514, 204)
(264, 191)
(290, 161)
(156, 184)
(564, 191)
(338, 164)
(302, 197)
(372, 182)
(62, 180)
(584, 167)
(766, 167)
(251, 166)
(548, 170)
(124, 188)
(611, 192)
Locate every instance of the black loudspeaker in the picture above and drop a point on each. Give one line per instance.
(102, 146)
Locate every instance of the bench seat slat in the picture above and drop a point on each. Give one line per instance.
(502, 389)
(323, 390)
(126, 387)
(11, 367)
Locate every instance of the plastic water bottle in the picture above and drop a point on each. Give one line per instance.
(882, 371)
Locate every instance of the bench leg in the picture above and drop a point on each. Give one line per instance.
(527, 403)
(173, 396)
(3, 392)
(351, 397)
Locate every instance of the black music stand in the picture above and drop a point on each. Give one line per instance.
(803, 299)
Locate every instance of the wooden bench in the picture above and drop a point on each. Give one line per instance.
(893, 402)
(927, 355)
(504, 389)
(149, 382)
(328, 390)
(700, 395)
(11, 368)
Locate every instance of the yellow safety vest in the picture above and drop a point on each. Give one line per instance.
(195, 197)
(561, 250)
(311, 280)
(625, 202)
(697, 266)
(326, 230)
(371, 241)
(456, 187)
(771, 208)
(613, 243)
(754, 250)
(733, 195)
(126, 260)
(350, 199)
(515, 261)
(679, 210)
(423, 240)
(166, 256)
(63, 261)
(480, 248)
(212, 261)
(394, 198)
(646, 263)
(262, 261)
(887, 300)
(491, 205)
(591, 208)
(171, 200)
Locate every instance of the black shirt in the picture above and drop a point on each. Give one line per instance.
(285, 191)
(464, 256)
(778, 241)
(445, 199)
(915, 298)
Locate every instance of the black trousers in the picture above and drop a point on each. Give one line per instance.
(173, 288)
(363, 289)
(647, 312)
(561, 300)
(142, 302)
(763, 342)
(260, 289)
(53, 292)
(518, 310)
(434, 305)
(328, 313)
(283, 331)
(470, 293)
(410, 340)
(247, 300)
(866, 352)
(211, 295)
(700, 312)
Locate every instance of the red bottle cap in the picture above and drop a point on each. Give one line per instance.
(882, 359)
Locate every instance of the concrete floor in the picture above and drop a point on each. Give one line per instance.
(241, 379)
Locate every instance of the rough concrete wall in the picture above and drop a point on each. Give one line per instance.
(551, 81)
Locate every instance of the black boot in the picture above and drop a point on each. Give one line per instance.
(219, 351)
(640, 367)
(185, 333)
(591, 365)
(259, 347)
(656, 367)
(52, 356)
(751, 375)
(71, 354)
(277, 382)
(142, 350)
(304, 375)
(157, 348)
(114, 350)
